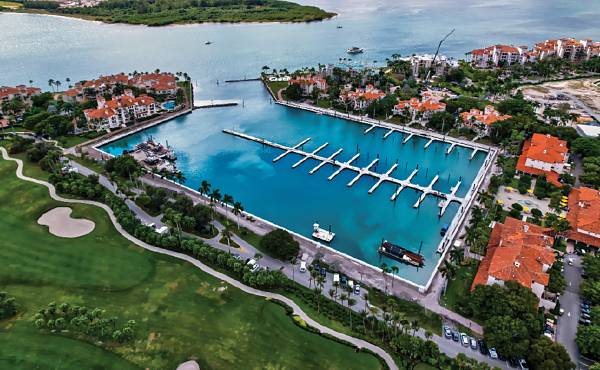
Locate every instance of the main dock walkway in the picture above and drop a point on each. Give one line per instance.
(361, 171)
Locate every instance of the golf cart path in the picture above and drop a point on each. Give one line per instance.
(296, 309)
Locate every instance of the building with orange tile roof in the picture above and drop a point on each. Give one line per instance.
(564, 48)
(426, 107)
(482, 120)
(544, 155)
(8, 93)
(120, 110)
(496, 54)
(518, 251)
(309, 83)
(584, 216)
(363, 97)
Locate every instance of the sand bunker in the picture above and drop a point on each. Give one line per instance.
(61, 224)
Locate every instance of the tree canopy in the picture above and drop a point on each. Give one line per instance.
(280, 244)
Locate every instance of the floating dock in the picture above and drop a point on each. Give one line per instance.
(451, 148)
(408, 138)
(361, 171)
(200, 104)
(369, 129)
(473, 153)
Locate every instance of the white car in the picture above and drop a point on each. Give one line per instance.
(493, 353)
(464, 339)
(255, 268)
(570, 262)
(302, 266)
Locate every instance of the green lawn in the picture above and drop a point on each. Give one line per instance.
(68, 141)
(459, 285)
(181, 312)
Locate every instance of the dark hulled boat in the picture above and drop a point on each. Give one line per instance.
(401, 254)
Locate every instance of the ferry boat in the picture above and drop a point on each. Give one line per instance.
(322, 234)
(354, 50)
(401, 254)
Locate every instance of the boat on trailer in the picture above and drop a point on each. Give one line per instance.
(401, 254)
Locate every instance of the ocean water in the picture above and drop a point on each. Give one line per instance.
(40, 47)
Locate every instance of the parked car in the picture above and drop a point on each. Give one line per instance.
(447, 332)
(570, 260)
(523, 365)
(586, 316)
(302, 266)
(357, 289)
(493, 353)
(473, 343)
(455, 336)
(255, 268)
(323, 271)
(483, 348)
(464, 339)
(343, 280)
(585, 305)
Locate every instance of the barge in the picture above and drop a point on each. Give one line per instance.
(401, 254)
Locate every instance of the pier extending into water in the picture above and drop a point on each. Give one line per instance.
(361, 171)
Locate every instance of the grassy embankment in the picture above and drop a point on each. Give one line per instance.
(181, 12)
(181, 312)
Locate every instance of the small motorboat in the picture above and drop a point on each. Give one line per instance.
(338, 27)
(355, 50)
(322, 234)
(208, 43)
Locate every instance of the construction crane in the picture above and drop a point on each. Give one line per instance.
(435, 56)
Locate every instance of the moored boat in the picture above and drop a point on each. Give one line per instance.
(401, 254)
(354, 50)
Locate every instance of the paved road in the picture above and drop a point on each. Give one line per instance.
(570, 302)
(247, 251)
(297, 310)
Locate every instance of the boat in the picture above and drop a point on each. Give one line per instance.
(322, 234)
(354, 50)
(339, 27)
(401, 254)
(444, 230)
(208, 43)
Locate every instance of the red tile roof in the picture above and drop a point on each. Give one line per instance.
(517, 251)
(544, 148)
(584, 214)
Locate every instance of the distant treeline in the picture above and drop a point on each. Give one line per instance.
(163, 12)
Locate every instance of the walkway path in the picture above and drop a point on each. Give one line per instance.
(296, 309)
(247, 251)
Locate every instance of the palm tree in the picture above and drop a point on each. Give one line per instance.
(57, 83)
(394, 271)
(332, 294)
(215, 195)
(30, 82)
(414, 325)
(447, 269)
(227, 199)
(68, 80)
(237, 210)
(204, 187)
(384, 270)
(457, 255)
(227, 235)
(343, 297)
(351, 302)
(51, 83)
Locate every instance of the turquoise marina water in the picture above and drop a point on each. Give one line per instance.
(295, 199)
(39, 48)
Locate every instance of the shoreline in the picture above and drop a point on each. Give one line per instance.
(443, 246)
(36, 12)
